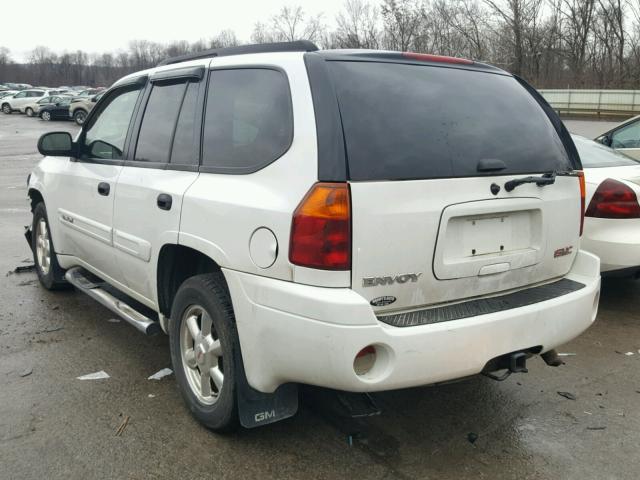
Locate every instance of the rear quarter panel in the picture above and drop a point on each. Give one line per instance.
(221, 212)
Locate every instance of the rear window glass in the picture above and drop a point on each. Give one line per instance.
(596, 155)
(405, 121)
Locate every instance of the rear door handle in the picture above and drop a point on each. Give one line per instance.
(104, 188)
(164, 201)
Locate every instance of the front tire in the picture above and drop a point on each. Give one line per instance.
(29, 112)
(46, 116)
(50, 274)
(204, 342)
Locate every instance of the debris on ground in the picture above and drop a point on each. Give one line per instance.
(122, 426)
(22, 269)
(151, 395)
(26, 283)
(26, 372)
(51, 329)
(55, 307)
(160, 374)
(94, 376)
(567, 354)
(628, 354)
(472, 437)
(114, 320)
(596, 428)
(568, 395)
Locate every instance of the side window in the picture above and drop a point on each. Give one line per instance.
(20, 95)
(106, 135)
(159, 121)
(186, 139)
(248, 119)
(627, 137)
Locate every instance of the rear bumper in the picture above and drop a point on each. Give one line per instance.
(297, 333)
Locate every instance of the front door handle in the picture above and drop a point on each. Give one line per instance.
(104, 188)
(164, 201)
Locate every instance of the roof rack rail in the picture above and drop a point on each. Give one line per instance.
(297, 46)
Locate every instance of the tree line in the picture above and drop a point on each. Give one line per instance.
(551, 43)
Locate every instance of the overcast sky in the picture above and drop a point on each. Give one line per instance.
(109, 25)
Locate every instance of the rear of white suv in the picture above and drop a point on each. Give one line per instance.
(447, 219)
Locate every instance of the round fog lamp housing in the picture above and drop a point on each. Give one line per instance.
(365, 360)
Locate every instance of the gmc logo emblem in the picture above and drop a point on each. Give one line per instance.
(561, 252)
(262, 416)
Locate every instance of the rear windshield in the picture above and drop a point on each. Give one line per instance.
(596, 155)
(404, 122)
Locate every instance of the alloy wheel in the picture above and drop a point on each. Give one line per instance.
(202, 355)
(43, 246)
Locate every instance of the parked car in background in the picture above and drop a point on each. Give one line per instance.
(7, 93)
(56, 111)
(612, 216)
(33, 108)
(87, 93)
(625, 137)
(20, 100)
(356, 220)
(80, 107)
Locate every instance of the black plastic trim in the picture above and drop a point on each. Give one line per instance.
(332, 162)
(195, 73)
(483, 306)
(297, 46)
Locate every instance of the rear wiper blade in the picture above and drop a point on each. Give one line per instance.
(546, 179)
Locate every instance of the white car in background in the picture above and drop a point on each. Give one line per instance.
(20, 100)
(612, 217)
(624, 137)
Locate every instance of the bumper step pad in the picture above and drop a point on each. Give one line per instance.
(483, 306)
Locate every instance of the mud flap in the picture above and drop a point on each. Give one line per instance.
(256, 408)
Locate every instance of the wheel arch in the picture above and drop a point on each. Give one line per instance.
(177, 263)
(36, 197)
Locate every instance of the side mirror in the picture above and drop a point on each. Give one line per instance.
(604, 140)
(56, 144)
(94, 99)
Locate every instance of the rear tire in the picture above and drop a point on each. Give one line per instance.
(204, 342)
(29, 111)
(6, 108)
(50, 274)
(79, 116)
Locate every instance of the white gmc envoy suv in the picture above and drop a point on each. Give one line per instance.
(350, 219)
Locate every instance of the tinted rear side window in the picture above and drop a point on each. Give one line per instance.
(417, 122)
(248, 119)
(156, 131)
(185, 142)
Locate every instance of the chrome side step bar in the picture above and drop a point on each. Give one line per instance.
(93, 286)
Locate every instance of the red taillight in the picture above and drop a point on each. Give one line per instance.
(426, 57)
(321, 228)
(614, 199)
(583, 196)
